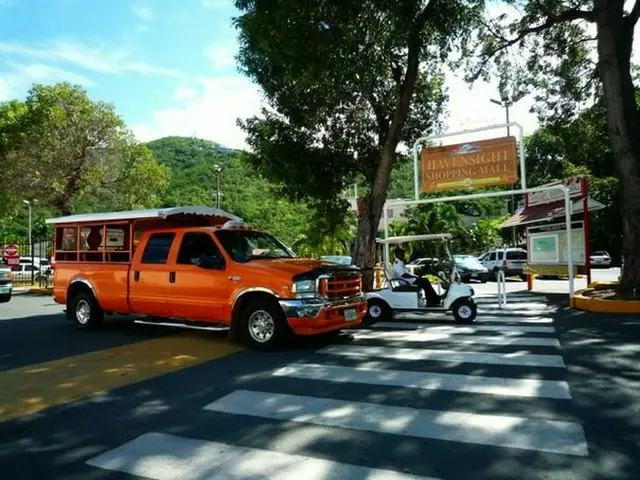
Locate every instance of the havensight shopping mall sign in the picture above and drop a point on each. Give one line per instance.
(485, 163)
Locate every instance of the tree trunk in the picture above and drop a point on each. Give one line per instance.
(369, 220)
(615, 39)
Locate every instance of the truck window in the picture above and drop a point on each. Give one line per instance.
(157, 249)
(195, 245)
(492, 256)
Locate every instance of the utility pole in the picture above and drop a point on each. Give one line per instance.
(217, 169)
(506, 103)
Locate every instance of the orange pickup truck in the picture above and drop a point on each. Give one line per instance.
(202, 268)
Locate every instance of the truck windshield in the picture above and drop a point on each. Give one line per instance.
(246, 245)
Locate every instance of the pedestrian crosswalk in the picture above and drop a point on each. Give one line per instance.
(485, 389)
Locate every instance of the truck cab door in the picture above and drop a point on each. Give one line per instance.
(149, 276)
(199, 287)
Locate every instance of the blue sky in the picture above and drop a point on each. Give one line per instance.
(167, 65)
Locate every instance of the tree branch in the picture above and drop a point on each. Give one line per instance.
(551, 21)
(634, 15)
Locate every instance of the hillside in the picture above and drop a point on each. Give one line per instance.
(243, 191)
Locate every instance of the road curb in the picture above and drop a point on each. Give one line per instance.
(32, 291)
(598, 305)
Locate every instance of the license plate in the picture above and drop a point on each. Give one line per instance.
(350, 315)
(4, 290)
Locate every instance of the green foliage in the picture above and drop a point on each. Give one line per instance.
(243, 191)
(582, 147)
(326, 236)
(345, 82)
(66, 151)
(433, 218)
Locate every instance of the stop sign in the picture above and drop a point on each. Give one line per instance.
(11, 250)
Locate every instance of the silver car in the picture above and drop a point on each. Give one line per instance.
(6, 283)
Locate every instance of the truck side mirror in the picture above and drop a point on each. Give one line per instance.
(211, 262)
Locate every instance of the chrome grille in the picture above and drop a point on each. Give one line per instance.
(340, 285)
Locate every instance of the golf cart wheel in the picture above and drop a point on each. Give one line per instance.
(377, 310)
(464, 311)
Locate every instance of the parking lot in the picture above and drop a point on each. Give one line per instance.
(531, 391)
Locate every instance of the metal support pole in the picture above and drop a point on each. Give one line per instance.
(386, 235)
(514, 240)
(218, 190)
(567, 219)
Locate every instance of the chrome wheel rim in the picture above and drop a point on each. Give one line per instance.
(262, 327)
(465, 311)
(83, 312)
(375, 311)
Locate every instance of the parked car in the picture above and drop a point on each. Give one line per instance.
(600, 259)
(470, 268)
(510, 260)
(422, 266)
(23, 272)
(6, 284)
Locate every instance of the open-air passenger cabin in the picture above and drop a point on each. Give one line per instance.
(113, 237)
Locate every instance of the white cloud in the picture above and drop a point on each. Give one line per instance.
(99, 60)
(221, 55)
(19, 78)
(182, 93)
(211, 115)
(143, 12)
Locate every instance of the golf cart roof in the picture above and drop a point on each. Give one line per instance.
(417, 238)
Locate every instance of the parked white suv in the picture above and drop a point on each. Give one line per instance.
(510, 260)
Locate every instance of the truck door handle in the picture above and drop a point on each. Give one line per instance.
(172, 277)
(136, 276)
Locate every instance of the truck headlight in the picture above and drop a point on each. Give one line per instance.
(304, 289)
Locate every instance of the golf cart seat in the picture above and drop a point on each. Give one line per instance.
(399, 284)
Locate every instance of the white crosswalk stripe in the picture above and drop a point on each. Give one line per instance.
(435, 377)
(465, 339)
(503, 329)
(518, 358)
(497, 430)
(518, 387)
(168, 457)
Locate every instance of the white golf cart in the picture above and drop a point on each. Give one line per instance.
(399, 295)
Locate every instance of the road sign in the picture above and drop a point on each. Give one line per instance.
(10, 255)
(10, 250)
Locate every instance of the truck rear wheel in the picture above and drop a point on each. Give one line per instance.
(84, 311)
(264, 325)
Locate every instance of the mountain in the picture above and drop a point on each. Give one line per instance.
(243, 191)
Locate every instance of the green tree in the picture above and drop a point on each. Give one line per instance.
(560, 69)
(582, 146)
(69, 148)
(324, 236)
(244, 192)
(346, 81)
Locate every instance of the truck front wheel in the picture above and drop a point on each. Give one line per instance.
(84, 311)
(264, 324)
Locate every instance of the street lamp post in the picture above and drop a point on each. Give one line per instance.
(506, 103)
(217, 169)
(28, 203)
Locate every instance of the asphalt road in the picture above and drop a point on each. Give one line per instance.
(538, 391)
